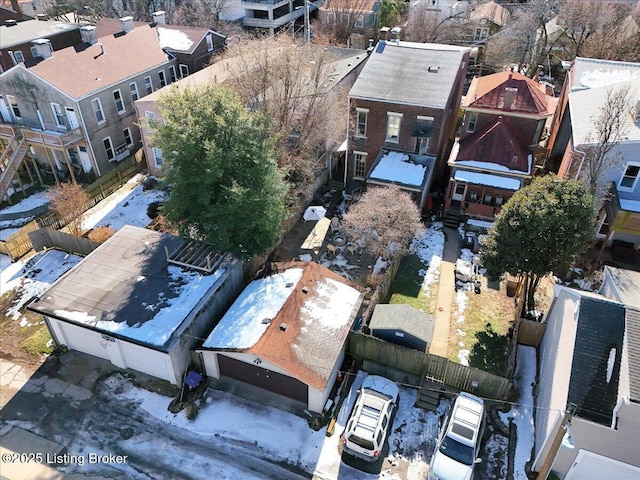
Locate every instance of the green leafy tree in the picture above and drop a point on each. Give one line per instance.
(390, 14)
(226, 188)
(543, 228)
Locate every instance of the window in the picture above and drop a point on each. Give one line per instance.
(393, 126)
(108, 148)
(58, 113)
(151, 120)
(331, 18)
(34, 52)
(117, 97)
(97, 109)
(163, 79)
(359, 164)
(481, 34)
(148, 85)
(422, 145)
(423, 130)
(172, 74)
(184, 70)
(361, 120)
(209, 39)
(14, 106)
(630, 177)
(18, 57)
(359, 22)
(133, 88)
(157, 157)
(127, 137)
(473, 121)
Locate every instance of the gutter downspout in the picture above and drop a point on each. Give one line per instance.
(583, 154)
(346, 151)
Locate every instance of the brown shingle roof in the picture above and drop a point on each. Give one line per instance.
(497, 13)
(304, 350)
(78, 72)
(497, 142)
(488, 92)
(362, 6)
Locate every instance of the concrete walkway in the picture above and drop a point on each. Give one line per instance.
(446, 292)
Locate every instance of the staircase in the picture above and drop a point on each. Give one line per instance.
(429, 395)
(453, 218)
(10, 168)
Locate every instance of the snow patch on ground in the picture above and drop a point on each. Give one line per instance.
(522, 412)
(33, 201)
(429, 248)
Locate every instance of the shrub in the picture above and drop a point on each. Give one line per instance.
(101, 234)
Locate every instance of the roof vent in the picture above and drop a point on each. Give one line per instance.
(283, 327)
(289, 284)
(434, 68)
(126, 23)
(305, 290)
(159, 17)
(10, 22)
(42, 48)
(88, 33)
(266, 321)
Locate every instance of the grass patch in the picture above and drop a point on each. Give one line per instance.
(406, 286)
(39, 342)
(484, 331)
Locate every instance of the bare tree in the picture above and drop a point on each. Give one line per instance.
(201, 13)
(341, 17)
(385, 219)
(69, 201)
(526, 42)
(609, 130)
(291, 83)
(424, 25)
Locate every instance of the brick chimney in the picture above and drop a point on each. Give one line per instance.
(126, 23)
(384, 33)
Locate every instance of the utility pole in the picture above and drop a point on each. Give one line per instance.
(557, 441)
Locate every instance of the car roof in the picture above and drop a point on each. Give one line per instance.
(381, 385)
(466, 418)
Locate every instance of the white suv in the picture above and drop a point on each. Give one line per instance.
(366, 430)
(457, 447)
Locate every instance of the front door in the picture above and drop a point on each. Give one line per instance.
(458, 192)
(84, 158)
(71, 117)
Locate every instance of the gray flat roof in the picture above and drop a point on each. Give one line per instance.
(400, 73)
(400, 316)
(127, 288)
(24, 32)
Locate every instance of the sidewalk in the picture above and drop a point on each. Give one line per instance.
(446, 293)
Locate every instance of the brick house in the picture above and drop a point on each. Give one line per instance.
(70, 115)
(405, 100)
(504, 120)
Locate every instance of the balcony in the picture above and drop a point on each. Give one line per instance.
(622, 215)
(49, 138)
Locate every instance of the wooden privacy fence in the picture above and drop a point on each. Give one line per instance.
(420, 364)
(47, 238)
(19, 243)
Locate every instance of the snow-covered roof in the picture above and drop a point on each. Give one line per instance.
(592, 72)
(127, 288)
(252, 312)
(297, 319)
(585, 105)
(491, 166)
(396, 167)
(487, 179)
(174, 39)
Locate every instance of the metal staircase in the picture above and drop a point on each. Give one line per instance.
(10, 162)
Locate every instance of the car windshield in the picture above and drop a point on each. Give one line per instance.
(361, 442)
(457, 451)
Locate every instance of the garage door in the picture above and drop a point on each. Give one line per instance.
(84, 340)
(263, 378)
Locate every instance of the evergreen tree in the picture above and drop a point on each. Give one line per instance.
(226, 188)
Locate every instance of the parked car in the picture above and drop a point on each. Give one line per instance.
(457, 447)
(366, 431)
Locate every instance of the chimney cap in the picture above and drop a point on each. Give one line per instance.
(41, 41)
(10, 22)
(283, 327)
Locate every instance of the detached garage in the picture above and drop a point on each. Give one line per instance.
(141, 300)
(285, 333)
